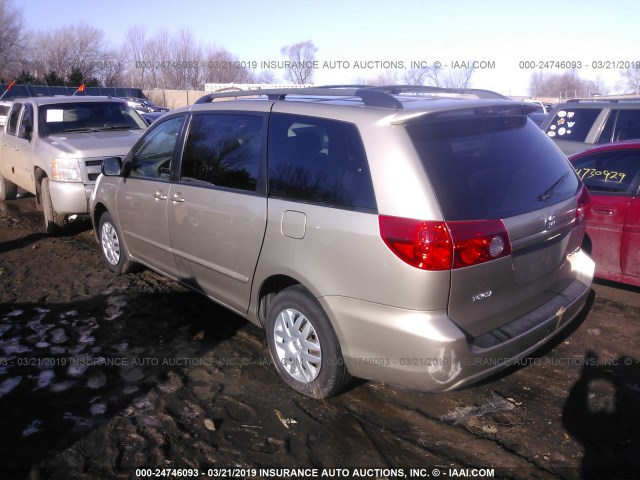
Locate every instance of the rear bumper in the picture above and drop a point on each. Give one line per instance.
(427, 351)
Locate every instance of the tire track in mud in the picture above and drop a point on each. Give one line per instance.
(225, 404)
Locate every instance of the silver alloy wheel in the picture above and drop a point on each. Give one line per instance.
(110, 243)
(297, 345)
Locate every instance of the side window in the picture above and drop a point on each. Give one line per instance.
(25, 129)
(572, 123)
(627, 126)
(609, 172)
(320, 161)
(223, 150)
(152, 157)
(607, 130)
(13, 118)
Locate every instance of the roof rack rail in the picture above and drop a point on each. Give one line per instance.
(370, 97)
(373, 96)
(604, 100)
(480, 93)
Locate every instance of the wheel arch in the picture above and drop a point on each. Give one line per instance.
(98, 210)
(38, 175)
(269, 289)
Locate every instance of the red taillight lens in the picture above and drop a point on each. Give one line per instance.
(583, 203)
(424, 245)
(432, 245)
(478, 241)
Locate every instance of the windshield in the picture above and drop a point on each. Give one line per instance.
(87, 117)
(488, 167)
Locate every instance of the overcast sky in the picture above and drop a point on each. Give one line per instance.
(499, 34)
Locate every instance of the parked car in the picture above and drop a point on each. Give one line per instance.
(53, 147)
(581, 124)
(4, 110)
(611, 172)
(151, 117)
(381, 233)
(538, 117)
(144, 106)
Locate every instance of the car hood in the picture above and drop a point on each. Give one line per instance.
(95, 144)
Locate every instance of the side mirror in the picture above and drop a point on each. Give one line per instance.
(111, 167)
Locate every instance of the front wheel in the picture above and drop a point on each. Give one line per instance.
(304, 346)
(111, 248)
(53, 221)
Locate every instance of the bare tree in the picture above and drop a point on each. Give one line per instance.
(416, 76)
(564, 85)
(631, 80)
(78, 47)
(456, 78)
(221, 66)
(264, 76)
(440, 77)
(182, 70)
(133, 55)
(302, 57)
(113, 72)
(12, 40)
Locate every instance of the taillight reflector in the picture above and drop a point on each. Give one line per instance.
(583, 203)
(435, 245)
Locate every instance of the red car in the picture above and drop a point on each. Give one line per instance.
(611, 172)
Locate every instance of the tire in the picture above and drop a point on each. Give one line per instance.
(112, 249)
(304, 346)
(8, 189)
(54, 222)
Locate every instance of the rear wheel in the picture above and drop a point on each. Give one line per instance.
(53, 221)
(111, 248)
(304, 346)
(8, 189)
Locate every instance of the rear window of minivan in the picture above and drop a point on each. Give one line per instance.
(489, 167)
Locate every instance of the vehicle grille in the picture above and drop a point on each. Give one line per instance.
(92, 167)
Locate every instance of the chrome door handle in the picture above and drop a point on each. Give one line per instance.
(177, 197)
(159, 195)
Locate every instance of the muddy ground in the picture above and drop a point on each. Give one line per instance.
(102, 375)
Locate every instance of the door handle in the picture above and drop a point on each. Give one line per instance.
(604, 210)
(159, 195)
(177, 198)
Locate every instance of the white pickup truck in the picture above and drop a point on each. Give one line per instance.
(53, 147)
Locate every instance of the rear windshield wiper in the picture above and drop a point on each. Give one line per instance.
(546, 195)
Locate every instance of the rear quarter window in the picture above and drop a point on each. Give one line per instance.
(572, 123)
(488, 167)
(317, 160)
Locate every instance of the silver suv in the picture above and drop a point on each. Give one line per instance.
(406, 235)
(581, 124)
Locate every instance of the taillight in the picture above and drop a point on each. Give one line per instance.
(434, 245)
(583, 203)
(478, 241)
